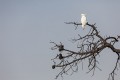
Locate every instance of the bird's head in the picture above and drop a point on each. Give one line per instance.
(82, 14)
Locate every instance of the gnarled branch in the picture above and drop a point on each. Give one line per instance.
(91, 45)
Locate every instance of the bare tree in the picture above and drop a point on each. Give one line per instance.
(90, 47)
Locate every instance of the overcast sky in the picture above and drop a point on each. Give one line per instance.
(27, 27)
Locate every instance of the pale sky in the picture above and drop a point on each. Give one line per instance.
(27, 27)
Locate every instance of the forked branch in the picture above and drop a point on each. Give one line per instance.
(90, 47)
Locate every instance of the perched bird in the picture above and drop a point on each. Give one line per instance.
(60, 56)
(83, 20)
(53, 66)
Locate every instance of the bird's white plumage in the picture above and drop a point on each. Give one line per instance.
(83, 20)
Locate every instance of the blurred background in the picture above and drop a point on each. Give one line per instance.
(28, 26)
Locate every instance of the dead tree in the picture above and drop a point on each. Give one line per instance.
(90, 47)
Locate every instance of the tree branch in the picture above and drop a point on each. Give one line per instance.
(91, 46)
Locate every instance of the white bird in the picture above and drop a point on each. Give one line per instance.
(83, 20)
